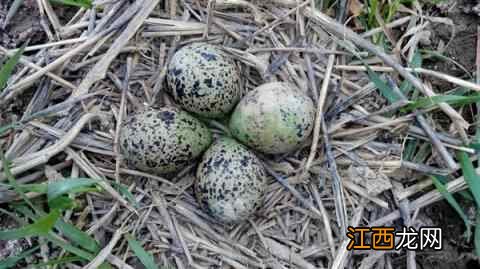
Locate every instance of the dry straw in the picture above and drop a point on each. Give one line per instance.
(105, 64)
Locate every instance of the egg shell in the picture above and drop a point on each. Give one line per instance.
(163, 140)
(274, 118)
(204, 80)
(230, 181)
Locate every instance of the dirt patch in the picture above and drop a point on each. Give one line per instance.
(453, 254)
(11, 248)
(461, 48)
(24, 25)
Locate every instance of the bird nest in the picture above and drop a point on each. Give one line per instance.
(63, 107)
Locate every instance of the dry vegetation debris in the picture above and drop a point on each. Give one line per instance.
(96, 66)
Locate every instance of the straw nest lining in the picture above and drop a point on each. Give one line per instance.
(103, 65)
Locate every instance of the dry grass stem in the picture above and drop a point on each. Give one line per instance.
(367, 162)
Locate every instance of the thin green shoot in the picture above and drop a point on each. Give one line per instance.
(453, 203)
(470, 176)
(145, 258)
(41, 227)
(7, 68)
(10, 262)
(76, 3)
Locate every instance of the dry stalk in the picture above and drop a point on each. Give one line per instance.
(422, 121)
(99, 71)
(419, 70)
(343, 32)
(342, 254)
(320, 108)
(106, 251)
(22, 164)
(19, 87)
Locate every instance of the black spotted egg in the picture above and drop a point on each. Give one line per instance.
(163, 140)
(204, 80)
(274, 118)
(231, 181)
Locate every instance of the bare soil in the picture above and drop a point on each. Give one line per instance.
(24, 26)
(462, 48)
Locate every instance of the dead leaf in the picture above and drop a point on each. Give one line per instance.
(355, 8)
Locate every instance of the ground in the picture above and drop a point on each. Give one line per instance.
(458, 59)
(462, 47)
(462, 50)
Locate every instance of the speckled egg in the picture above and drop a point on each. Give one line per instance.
(230, 182)
(204, 80)
(274, 118)
(163, 140)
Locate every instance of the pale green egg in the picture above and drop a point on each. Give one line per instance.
(274, 118)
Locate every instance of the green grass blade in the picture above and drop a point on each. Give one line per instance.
(428, 102)
(75, 235)
(476, 239)
(123, 190)
(70, 248)
(144, 257)
(382, 86)
(410, 148)
(67, 246)
(470, 176)
(373, 6)
(12, 261)
(74, 250)
(40, 227)
(76, 3)
(465, 194)
(59, 261)
(38, 188)
(453, 203)
(460, 91)
(58, 188)
(5, 128)
(7, 69)
(423, 152)
(78, 237)
(476, 145)
(25, 210)
(416, 62)
(61, 203)
(405, 87)
(69, 185)
(392, 10)
(13, 182)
